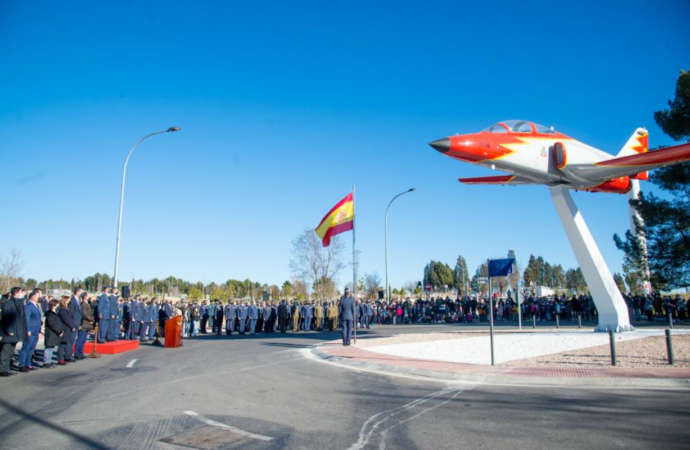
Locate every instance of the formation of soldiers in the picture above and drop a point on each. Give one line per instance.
(267, 317)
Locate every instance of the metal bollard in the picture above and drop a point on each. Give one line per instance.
(579, 320)
(612, 339)
(669, 347)
(558, 322)
(534, 321)
(670, 320)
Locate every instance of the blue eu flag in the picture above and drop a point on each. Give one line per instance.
(501, 267)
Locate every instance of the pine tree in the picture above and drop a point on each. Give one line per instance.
(666, 222)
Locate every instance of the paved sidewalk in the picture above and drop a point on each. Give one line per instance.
(604, 377)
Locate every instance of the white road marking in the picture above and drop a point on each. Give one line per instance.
(374, 422)
(131, 363)
(384, 433)
(223, 426)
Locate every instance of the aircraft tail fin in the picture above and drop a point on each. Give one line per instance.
(636, 145)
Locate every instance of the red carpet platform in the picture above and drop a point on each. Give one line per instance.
(112, 348)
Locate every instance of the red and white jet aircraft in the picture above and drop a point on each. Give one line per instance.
(535, 154)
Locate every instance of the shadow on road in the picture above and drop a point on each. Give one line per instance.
(51, 426)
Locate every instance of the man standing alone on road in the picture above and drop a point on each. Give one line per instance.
(347, 315)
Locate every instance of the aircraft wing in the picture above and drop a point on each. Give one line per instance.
(512, 180)
(630, 165)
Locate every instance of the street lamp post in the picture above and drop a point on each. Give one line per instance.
(122, 198)
(389, 205)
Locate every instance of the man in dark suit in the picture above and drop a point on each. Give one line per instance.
(74, 307)
(104, 314)
(34, 322)
(282, 316)
(12, 329)
(218, 320)
(346, 310)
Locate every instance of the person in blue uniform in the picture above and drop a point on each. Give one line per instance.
(346, 310)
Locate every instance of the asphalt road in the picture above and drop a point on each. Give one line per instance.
(262, 392)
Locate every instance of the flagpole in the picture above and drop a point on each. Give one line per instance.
(354, 263)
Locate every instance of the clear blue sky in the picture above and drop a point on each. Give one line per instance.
(285, 105)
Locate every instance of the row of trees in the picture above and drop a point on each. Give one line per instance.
(538, 273)
(11, 266)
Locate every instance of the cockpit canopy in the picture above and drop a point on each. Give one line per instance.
(518, 126)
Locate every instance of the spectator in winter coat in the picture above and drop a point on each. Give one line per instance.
(64, 353)
(53, 333)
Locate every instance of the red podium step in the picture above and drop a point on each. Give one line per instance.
(112, 348)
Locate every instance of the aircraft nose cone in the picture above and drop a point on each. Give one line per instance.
(441, 145)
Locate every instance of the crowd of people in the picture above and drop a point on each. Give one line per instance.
(66, 324)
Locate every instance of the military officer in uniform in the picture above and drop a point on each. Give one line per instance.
(332, 315)
(253, 314)
(153, 317)
(318, 317)
(242, 313)
(308, 315)
(348, 315)
(230, 317)
(145, 321)
(127, 327)
(294, 315)
(267, 318)
(111, 334)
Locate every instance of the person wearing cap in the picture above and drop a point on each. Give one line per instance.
(103, 306)
(346, 309)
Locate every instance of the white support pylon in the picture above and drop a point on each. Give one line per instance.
(612, 310)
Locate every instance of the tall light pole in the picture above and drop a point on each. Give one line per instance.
(389, 205)
(122, 197)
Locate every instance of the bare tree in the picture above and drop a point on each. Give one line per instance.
(410, 286)
(10, 269)
(372, 281)
(299, 289)
(314, 263)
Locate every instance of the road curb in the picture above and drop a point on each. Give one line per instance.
(499, 379)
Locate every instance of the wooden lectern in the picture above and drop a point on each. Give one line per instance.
(173, 332)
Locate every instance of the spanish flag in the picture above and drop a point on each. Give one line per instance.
(338, 220)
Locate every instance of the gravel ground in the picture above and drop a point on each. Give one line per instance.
(415, 338)
(554, 349)
(646, 352)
